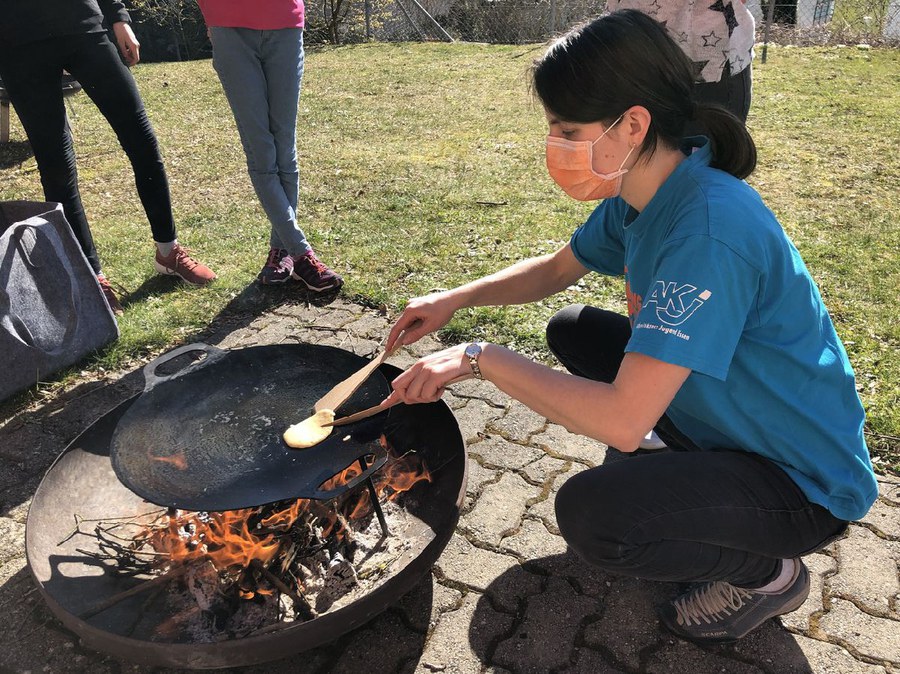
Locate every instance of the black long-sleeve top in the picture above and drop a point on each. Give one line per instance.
(25, 21)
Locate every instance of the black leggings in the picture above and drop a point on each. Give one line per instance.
(731, 91)
(687, 515)
(32, 75)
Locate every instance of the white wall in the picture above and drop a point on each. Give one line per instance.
(892, 21)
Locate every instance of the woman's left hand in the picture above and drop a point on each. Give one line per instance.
(425, 381)
(128, 43)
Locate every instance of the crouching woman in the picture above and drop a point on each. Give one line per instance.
(727, 351)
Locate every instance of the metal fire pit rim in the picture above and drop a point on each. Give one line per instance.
(233, 652)
(271, 645)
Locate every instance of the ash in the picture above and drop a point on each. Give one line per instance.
(209, 606)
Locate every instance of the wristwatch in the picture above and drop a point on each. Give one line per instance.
(473, 351)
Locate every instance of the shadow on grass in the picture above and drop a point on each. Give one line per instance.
(251, 302)
(14, 153)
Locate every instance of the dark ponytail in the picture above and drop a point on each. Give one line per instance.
(598, 70)
(733, 148)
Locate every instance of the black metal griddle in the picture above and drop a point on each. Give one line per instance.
(209, 436)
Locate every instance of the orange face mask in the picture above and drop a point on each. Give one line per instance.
(571, 165)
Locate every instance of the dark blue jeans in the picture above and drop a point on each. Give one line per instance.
(686, 515)
(32, 74)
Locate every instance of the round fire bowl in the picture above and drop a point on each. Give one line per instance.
(81, 485)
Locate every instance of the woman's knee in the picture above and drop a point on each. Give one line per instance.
(585, 507)
(567, 506)
(588, 341)
(562, 333)
(589, 516)
(137, 138)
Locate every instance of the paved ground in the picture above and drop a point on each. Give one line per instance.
(505, 596)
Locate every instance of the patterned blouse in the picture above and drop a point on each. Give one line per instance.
(711, 32)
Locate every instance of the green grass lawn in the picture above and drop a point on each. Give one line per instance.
(422, 168)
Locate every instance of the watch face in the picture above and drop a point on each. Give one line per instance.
(473, 350)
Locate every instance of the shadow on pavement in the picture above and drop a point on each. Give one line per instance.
(585, 621)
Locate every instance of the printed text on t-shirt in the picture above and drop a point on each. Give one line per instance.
(676, 303)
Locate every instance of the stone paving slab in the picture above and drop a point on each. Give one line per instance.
(505, 596)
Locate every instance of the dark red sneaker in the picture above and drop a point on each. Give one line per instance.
(312, 271)
(278, 267)
(179, 263)
(110, 295)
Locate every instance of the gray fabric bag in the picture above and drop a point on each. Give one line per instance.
(52, 311)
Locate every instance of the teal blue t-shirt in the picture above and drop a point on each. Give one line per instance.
(715, 285)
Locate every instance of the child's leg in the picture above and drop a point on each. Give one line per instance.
(282, 64)
(238, 59)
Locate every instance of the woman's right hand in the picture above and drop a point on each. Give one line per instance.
(128, 44)
(422, 316)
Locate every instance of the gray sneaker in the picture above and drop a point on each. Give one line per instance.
(719, 612)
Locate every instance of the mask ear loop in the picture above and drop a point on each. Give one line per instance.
(608, 129)
(627, 156)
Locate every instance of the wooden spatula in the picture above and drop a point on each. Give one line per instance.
(343, 390)
(359, 416)
(370, 411)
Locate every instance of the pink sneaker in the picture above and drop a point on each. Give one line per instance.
(109, 295)
(278, 267)
(312, 271)
(179, 263)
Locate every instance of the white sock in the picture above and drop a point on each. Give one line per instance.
(165, 249)
(781, 580)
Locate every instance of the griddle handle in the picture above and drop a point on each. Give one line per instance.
(349, 486)
(151, 379)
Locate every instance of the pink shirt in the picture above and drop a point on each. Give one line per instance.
(256, 14)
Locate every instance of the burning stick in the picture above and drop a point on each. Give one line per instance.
(300, 602)
(314, 553)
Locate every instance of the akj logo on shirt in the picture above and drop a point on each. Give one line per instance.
(676, 303)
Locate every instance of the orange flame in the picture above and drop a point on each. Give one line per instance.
(402, 475)
(228, 541)
(178, 459)
(224, 538)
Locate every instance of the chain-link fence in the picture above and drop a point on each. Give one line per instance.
(804, 22)
(174, 29)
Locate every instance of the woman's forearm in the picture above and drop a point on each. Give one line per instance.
(526, 281)
(617, 414)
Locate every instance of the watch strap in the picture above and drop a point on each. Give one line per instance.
(473, 351)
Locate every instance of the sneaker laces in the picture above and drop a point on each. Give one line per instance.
(710, 603)
(183, 258)
(317, 263)
(115, 287)
(275, 257)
